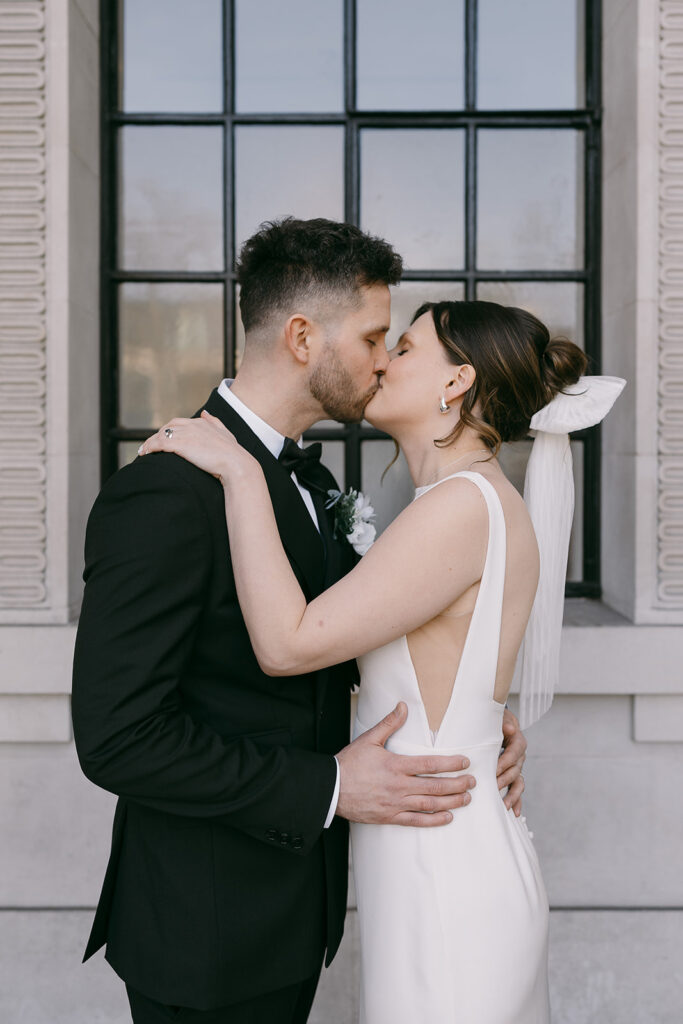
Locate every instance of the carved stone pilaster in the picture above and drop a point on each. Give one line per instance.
(670, 347)
(22, 305)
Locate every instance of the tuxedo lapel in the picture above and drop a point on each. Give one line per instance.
(340, 558)
(299, 536)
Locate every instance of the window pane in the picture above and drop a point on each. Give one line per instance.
(558, 304)
(390, 497)
(128, 452)
(333, 457)
(410, 56)
(407, 298)
(530, 54)
(513, 460)
(271, 74)
(170, 350)
(412, 193)
(172, 56)
(530, 199)
(171, 198)
(283, 170)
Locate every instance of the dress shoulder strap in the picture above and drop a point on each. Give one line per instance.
(479, 479)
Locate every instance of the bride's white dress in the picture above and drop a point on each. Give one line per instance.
(453, 920)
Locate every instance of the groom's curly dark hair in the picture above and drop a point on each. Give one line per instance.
(289, 260)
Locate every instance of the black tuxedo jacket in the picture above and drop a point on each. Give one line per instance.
(222, 883)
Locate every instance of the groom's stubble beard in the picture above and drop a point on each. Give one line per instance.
(334, 389)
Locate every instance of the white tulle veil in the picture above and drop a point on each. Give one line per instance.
(549, 496)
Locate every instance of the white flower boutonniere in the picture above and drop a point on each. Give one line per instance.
(353, 515)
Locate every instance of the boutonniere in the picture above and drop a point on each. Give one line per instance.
(353, 515)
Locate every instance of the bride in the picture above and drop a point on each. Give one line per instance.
(453, 920)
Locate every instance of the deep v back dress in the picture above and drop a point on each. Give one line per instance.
(453, 920)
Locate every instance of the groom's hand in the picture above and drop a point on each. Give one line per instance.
(381, 788)
(511, 761)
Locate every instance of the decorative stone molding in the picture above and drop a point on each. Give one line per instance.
(23, 525)
(670, 351)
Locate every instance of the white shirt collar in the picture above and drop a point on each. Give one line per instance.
(269, 436)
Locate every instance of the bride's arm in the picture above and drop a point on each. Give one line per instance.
(430, 555)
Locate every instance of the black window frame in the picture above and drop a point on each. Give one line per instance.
(588, 120)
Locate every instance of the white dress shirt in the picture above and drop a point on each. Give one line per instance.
(274, 441)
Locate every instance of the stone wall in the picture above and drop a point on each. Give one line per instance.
(602, 795)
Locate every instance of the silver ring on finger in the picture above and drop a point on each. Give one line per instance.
(168, 431)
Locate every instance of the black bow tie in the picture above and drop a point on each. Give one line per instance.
(305, 462)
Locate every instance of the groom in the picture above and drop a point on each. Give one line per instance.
(226, 883)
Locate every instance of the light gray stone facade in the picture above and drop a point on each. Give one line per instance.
(604, 768)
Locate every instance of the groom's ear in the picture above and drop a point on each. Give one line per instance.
(298, 337)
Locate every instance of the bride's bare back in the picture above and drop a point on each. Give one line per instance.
(436, 647)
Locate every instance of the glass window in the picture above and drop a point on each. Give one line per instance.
(172, 55)
(390, 495)
(410, 56)
(128, 452)
(171, 198)
(334, 453)
(559, 304)
(287, 170)
(170, 350)
(289, 56)
(530, 199)
(530, 54)
(465, 137)
(408, 296)
(412, 192)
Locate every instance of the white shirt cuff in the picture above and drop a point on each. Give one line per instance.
(335, 798)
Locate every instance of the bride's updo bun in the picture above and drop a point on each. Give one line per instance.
(562, 363)
(519, 367)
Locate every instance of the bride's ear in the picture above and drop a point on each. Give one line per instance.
(462, 379)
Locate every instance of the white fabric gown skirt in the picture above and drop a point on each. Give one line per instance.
(453, 920)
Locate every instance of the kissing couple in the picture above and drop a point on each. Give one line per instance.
(232, 602)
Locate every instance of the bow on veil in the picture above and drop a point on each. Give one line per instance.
(549, 496)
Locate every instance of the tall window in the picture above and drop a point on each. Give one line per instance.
(467, 132)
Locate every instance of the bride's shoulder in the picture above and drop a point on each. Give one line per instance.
(445, 510)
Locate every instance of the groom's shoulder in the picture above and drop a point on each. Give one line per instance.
(160, 473)
(157, 502)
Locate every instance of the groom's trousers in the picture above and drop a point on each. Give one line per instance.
(290, 1005)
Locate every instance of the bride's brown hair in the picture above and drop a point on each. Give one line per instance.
(519, 368)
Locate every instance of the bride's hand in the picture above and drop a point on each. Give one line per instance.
(206, 442)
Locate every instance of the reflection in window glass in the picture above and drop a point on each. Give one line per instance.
(287, 170)
(530, 54)
(559, 304)
(170, 350)
(513, 459)
(530, 199)
(408, 296)
(412, 193)
(172, 56)
(411, 56)
(391, 496)
(272, 73)
(171, 198)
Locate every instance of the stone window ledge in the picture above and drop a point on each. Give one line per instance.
(602, 653)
